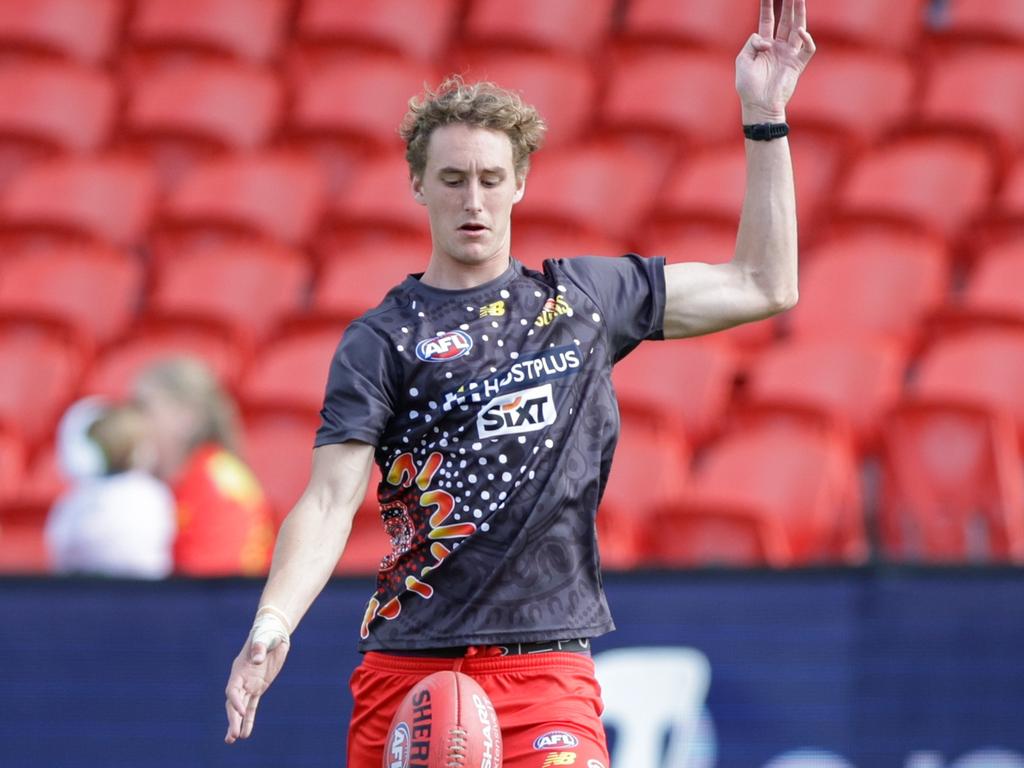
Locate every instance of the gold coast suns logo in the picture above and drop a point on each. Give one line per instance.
(404, 472)
(552, 308)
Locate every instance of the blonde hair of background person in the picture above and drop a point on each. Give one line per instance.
(225, 527)
(119, 522)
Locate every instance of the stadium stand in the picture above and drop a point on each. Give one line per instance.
(574, 26)
(104, 198)
(355, 280)
(977, 90)
(688, 383)
(934, 183)
(994, 287)
(249, 287)
(1000, 21)
(724, 25)
(22, 546)
(13, 462)
(277, 444)
(879, 24)
(182, 115)
(983, 367)
(71, 29)
(952, 486)
(417, 30)
(96, 289)
(275, 196)
(165, 31)
(871, 282)
(49, 108)
(532, 245)
(290, 371)
(116, 367)
(651, 469)
(31, 403)
(852, 384)
(803, 478)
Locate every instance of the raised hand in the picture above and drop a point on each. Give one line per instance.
(771, 61)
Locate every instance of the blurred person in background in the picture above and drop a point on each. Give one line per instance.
(224, 522)
(117, 519)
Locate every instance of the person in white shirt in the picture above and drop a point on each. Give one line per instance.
(117, 519)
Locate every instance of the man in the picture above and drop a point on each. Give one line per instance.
(483, 391)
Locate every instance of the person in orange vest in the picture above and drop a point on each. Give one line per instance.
(225, 526)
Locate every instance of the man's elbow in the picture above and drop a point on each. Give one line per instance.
(780, 301)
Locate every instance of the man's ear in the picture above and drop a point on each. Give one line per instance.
(416, 185)
(520, 189)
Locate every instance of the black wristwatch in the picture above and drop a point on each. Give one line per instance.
(766, 131)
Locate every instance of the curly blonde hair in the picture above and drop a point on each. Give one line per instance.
(482, 104)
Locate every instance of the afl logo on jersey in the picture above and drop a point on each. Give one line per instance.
(444, 347)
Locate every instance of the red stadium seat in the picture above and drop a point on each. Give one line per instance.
(707, 188)
(600, 189)
(870, 283)
(184, 114)
(693, 533)
(377, 199)
(1011, 202)
(723, 24)
(376, 96)
(356, 280)
(291, 371)
(108, 199)
(978, 89)
(980, 367)
(711, 245)
(279, 448)
(802, 478)
(680, 95)
(952, 485)
(12, 466)
(243, 29)
(938, 184)
(85, 31)
(994, 288)
(44, 481)
(853, 383)
(114, 372)
(249, 287)
(573, 26)
(650, 468)
(41, 369)
(48, 107)
(533, 245)
(859, 95)
(274, 196)
(562, 88)
(990, 21)
(879, 24)
(22, 543)
(687, 383)
(417, 30)
(96, 289)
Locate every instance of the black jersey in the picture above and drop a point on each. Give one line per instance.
(494, 421)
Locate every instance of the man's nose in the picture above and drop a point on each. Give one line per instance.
(473, 200)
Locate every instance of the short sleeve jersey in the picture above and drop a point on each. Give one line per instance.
(494, 421)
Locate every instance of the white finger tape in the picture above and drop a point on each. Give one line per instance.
(270, 628)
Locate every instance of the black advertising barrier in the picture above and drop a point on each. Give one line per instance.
(868, 668)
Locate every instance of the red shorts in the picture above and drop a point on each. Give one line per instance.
(538, 697)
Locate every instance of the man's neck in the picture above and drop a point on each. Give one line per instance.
(448, 274)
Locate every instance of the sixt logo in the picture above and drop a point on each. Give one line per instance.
(444, 347)
(398, 750)
(525, 411)
(553, 739)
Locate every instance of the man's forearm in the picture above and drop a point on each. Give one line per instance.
(766, 245)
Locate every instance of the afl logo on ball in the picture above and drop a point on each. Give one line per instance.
(555, 739)
(398, 749)
(444, 347)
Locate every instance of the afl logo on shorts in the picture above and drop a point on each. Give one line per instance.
(444, 347)
(553, 739)
(398, 749)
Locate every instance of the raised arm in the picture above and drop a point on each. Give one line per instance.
(761, 279)
(309, 545)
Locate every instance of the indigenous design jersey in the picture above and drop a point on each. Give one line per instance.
(494, 422)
